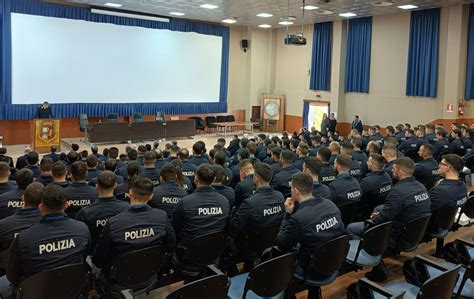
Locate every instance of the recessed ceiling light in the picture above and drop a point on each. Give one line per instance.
(408, 6)
(286, 23)
(289, 18)
(229, 21)
(347, 14)
(309, 7)
(265, 15)
(209, 6)
(175, 13)
(323, 12)
(382, 3)
(265, 26)
(115, 5)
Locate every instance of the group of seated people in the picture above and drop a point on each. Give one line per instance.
(65, 207)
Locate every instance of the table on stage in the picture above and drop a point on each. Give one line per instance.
(243, 124)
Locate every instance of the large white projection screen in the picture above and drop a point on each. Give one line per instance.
(72, 61)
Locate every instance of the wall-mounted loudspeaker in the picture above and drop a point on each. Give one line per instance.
(244, 44)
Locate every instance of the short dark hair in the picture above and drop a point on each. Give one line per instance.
(344, 161)
(219, 158)
(91, 161)
(428, 148)
(325, 154)
(378, 160)
(94, 149)
(198, 148)
(4, 169)
(132, 154)
(142, 148)
(244, 154)
(205, 174)
(168, 173)
(314, 165)
(75, 147)
(133, 168)
(303, 182)
(24, 177)
(356, 141)
(287, 156)
(54, 198)
(113, 152)
(110, 164)
(3, 150)
(406, 164)
(219, 173)
(32, 158)
(455, 161)
(53, 148)
(72, 157)
(142, 188)
(58, 169)
(183, 154)
(106, 180)
(78, 171)
(33, 194)
(46, 164)
(263, 171)
(252, 147)
(149, 156)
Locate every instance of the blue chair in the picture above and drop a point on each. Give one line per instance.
(368, 251)
(213, 287)
(267, 280)
(112, 117)
(440, 223)
(138, 117)
(365, 288)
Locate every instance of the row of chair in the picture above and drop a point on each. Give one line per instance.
(210, 122)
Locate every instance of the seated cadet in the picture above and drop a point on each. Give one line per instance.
(92, 172)
(59, 172)
(410, 142)
(407, 201)
(132, 155)
(185, 183)
(133, 169)
(430, 134)
(10, 202)
(79, 194)
(456, 146)
(281, 180)
(5, 158)
(392, 141)
(220, 159)
(200, 213)
(21, 161)
(358, 155)
(252, 148)
(106, 206)
(268, 159)
(141, 154)
(5, 183)
(160, 160)
(110, 165)
(245, 187)
(242, 155)
(32, 158)
(313, 222)
(356, 169)
(218, 185)
(335, 148)
(302, 153)
(275, 164)
(315, 145)
(24, 218)
(450, 191)
(327, 174)
(189, 168)
(467, 139)
(312, 166)
(198, 158)
(138, 227)
(373, 147)
(420, 137)
(55, 241)
(45, 167)
(390, 155)
(427, 170)
(168, 194)
(375, 186)
(374, 136)
(262, 209)
(345, 189)
(149, 169)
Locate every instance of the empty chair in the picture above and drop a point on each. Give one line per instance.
(212, 287)
(271, 125)
(112, 117)
(221, 119)
(230, 118)
(412, 234)
(138, 117)
(83, 122)
(322, 269)
(440, 224)
(267, 280)
(365, 288)
(63, 282)
(199, 124)
(210, 122)
(439, 286)
(160, 116)
(136, 271)
(257, 123)
(467, 209)
(368, 251)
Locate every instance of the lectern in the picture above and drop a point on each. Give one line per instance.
(44, 134)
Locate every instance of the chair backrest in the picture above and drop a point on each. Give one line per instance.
(4, 261)
(441, 286)
(470, 163)
(445, 218)
(413, 231)
(230, 118)
(328, 258)
(160, 116)
(272, 122)
(212, 287)
(83, 120)
(468, 208)
(63, 282)
(257, 239)
(271, 278)
(210, 119)
(137, 267)
(138, 117)
(412, 154)
(221, 118)
(112, 117)
(206, 249)
(369, 289)
(348, 212)
(377, 238)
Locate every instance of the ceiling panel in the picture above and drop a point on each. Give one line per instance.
(245, 11)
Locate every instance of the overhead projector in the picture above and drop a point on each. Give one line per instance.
(295, 39)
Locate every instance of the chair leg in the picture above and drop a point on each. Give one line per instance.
(314, 293)
(439, 247)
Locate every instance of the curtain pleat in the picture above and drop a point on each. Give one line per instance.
(359, 44)
(321, 57)
(305, 114)
(469, 91)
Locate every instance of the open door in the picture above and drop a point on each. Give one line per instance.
(315, 113)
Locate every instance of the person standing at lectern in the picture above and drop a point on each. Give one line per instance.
(44, 111)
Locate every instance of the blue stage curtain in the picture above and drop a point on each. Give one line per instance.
(469, 92)
(35, 7)
(321, 60)
(422, 72)
(359, 44)
(305, 114)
